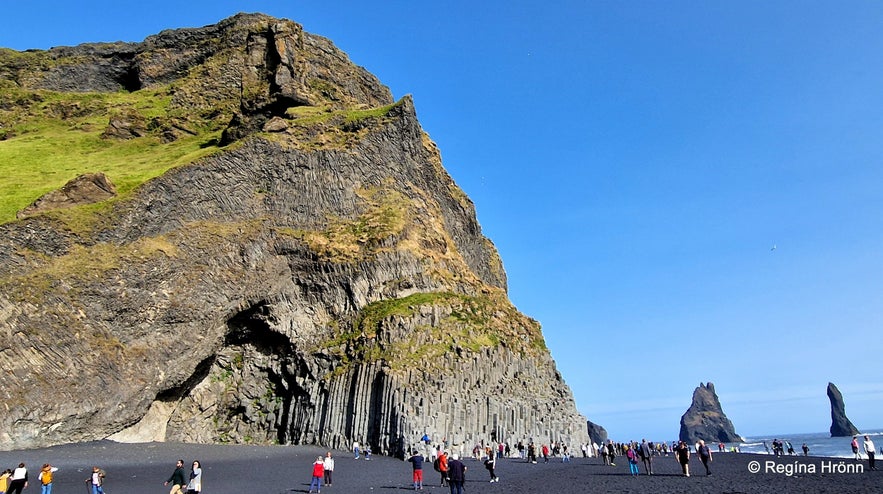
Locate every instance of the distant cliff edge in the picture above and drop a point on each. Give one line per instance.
(597, 433)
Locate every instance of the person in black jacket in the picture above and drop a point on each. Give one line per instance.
(682, 454)
(178, 479)
(705, 455)
(456, 474)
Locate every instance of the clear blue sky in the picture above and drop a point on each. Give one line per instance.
(636, 163)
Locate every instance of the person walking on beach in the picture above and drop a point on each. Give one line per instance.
(705, 455)
(195, 484)
(328, 464)
(531, 453)
(416, 461)
(18, 480)
(805, 449)
(177, 479)
(646, 452)
(456, 474)
(443, 467)
(869, 450)
(356, 450)
(491, 464)
(682, 454)
(318, 473)
(46, 474)
(611, 452)
(632, 456)
(96, 480)
(4, 480)
(854, 445)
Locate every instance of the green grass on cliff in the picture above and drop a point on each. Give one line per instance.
(48, 138)
(53, 137)
(471, 323)
(386, 212)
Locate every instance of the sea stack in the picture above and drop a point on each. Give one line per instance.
(706, 420)
(840, 424)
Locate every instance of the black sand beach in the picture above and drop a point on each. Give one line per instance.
(142, 469)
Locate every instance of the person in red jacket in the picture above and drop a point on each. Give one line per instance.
(443, 467)
(318, 473)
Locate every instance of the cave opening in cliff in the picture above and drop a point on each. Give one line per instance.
(130, 79)
(199, 374)
(252, 328)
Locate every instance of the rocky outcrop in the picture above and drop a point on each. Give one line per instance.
(705, 419)
(270, 61)
(841, 426)
(597, 433)
(322, 283)
(84, 189)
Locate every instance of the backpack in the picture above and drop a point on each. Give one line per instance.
(436, 464)
(101, 475)
(46, 477)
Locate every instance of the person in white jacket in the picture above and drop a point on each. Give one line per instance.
(329, 467)
(194, 486)
(869, 450)
(19, 479)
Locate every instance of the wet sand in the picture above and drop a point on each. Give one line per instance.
(142, 469)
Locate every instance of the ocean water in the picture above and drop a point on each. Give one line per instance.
(820, 444)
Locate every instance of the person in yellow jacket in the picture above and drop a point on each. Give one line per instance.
(4, 480)
(46, 474)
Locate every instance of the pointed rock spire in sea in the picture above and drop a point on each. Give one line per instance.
(705, 419)
(841, 426)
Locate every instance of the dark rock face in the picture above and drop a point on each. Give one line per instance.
(282, 290)
(277, 54)
(841, 426)
(597, 433)
(706, 420)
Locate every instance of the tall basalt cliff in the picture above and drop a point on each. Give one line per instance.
(705, 419)
(312, 276)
